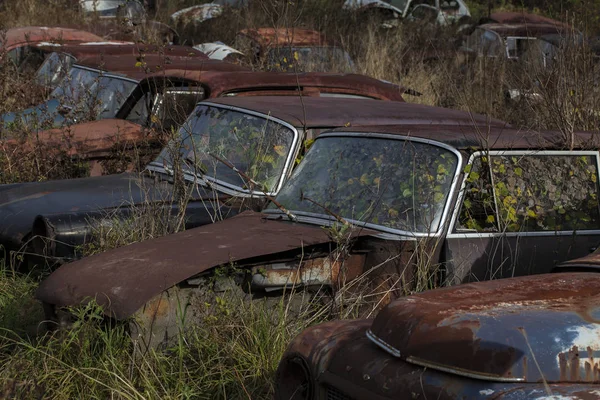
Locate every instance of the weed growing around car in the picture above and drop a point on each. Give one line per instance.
(232, 355)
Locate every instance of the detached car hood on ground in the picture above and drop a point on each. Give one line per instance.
(529, 329)
(122, 280)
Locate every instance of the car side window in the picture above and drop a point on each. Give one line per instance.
(516, 46)
(532, 193)
(478, 211)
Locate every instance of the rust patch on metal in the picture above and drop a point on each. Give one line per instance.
(277, 37)
(30, 35)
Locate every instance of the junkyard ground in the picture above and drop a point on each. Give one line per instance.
(235, 353)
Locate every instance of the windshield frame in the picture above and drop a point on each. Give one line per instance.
(325, 219)
(227, 187)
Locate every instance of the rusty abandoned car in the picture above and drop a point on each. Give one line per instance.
(510, 34)
(533, 337)
(437, 202)
(441, 12)
(293, 50)
(163, 100)
(54, 218)
(95, 87)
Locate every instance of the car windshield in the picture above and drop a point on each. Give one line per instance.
(54, 69)
(484, 42)
(92, 94)
(213, 140)
(391, 183)
(400, 4)
(310, 59)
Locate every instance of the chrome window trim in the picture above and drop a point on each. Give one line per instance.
(234, 190)
(452, 231)
(515, 38)
(383, 229)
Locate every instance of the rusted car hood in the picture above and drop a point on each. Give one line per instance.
(520, 329)
(122, 280)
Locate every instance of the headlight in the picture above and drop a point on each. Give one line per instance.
(293, 380)
(43, 236)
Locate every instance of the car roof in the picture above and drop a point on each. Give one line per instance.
(276, 37)
(517, 18)
(475, 135)
(16, 37)
(116, 48)
(218, 82)
(523, 30)
(138, 68)
(322, 112)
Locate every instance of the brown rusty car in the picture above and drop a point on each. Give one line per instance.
(164, 99)
(533, 337)
(510, 34)
(293, 49)
(471, 202)
(14, 41)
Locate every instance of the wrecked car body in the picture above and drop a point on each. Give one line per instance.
(53, 211)
(531, 337)
(18, 42)
(124, 20)
(509, 34)
(293, 50)
(93, 86)
(464, 228)
(442, 12)
(203, 12)
(163, 100)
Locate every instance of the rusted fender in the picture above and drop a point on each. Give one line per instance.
(591, 262)
(340, 360)
(89, 139)
(122, 280)
(523, 329)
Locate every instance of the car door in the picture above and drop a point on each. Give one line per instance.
(521, 212)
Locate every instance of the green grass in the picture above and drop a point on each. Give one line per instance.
(233, 355)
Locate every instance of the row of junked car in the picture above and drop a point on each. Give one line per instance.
(411, 185)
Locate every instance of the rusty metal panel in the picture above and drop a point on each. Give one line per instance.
(454, 131)
(519, 330)
(123, 279)
(321, 112)
(221, 83)
(28, 35)
(333, 270)
(276, 37)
